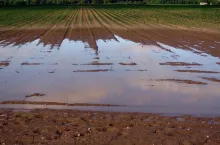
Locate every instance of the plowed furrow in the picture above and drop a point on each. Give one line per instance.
(100, 31)
(91, 37)
(137, 36)
(124, 31)
(57, 31)
(148, 31)
(15, 35)
(201, 35)
(176, 38)
(24, 34)
(23, 24)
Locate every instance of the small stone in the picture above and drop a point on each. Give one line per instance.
(111, 124)
(207, 136)
(185, 142)
(78, 134)
(89, 129)
(128, 128)
(58, 133)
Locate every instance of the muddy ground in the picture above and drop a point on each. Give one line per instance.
(120, 63)
(86, 127)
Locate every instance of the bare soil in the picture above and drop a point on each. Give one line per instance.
(211, 79)
(4, 63)
(184, 81)
(197, 71)
(29, 63)
(131, 63)
(35, 94)
(99, 63)
(180, 64)
(96, 70)
(86, 127)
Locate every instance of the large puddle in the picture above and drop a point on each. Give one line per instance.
(158, 77)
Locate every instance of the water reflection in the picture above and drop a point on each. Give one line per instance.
(198, 42)
(118, 69)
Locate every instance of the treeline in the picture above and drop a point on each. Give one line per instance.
(85, 2)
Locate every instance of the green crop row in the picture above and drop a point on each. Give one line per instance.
(187, 16)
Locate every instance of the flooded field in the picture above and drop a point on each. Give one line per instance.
(103, 64)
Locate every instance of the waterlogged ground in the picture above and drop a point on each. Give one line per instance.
(149, 70)
(145, 59)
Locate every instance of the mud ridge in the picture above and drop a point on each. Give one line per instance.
(184, 81)
(197, 71)
(29, 63)
(98, 63)
(131, 63)
(56, 103)
(180, 64)
(211, 79)
(96, 70)
(35, 95)
(4, 63)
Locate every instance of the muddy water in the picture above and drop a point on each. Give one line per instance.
(118, 71)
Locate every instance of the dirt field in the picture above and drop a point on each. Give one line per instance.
(85, 127)
(115, 59)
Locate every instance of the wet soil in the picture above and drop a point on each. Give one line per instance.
(106, 63)
(184, 81)
(35, 95)
(27, 63)
(192, 42)
(131, 63)
(86, 127)
(98, 63)
(211, 79)
(95, 60)
(93, 56)
(55, 103)
(4, 63)
(197, 71)
(97, 70)
(116, 64)
(180, 64)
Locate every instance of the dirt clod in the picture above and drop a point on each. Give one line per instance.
(35, 95)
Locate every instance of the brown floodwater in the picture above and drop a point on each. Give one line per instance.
(155, 75)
